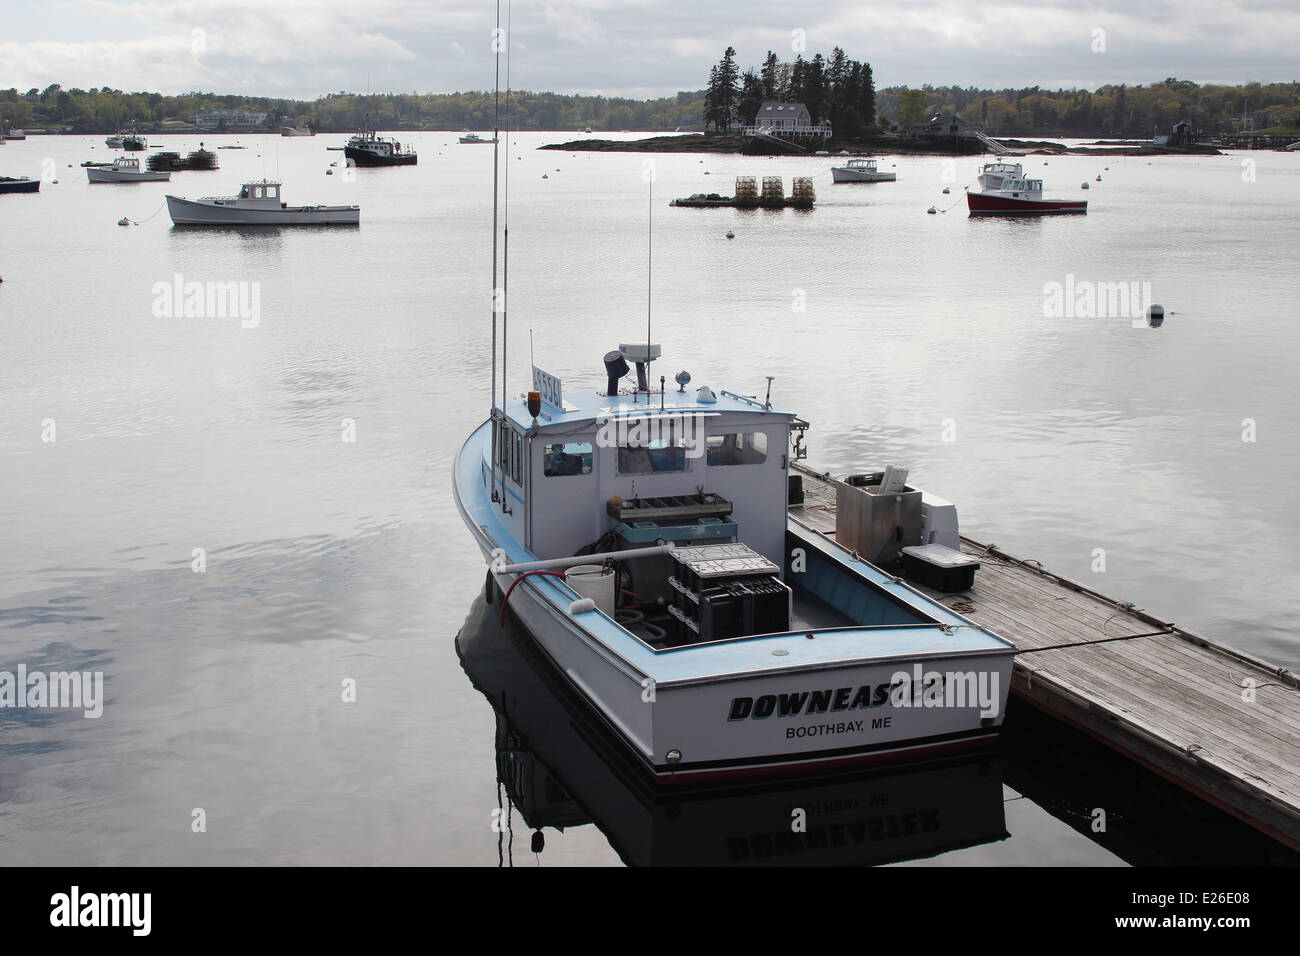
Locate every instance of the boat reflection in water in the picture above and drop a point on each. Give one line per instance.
(561, 767)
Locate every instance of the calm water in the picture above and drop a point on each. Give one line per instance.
(922, 342)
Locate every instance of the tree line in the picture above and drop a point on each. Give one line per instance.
(108, 110)
(838, 89)
(1129, 111)
(835, 89)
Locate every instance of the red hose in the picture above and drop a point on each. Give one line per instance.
(510, 590)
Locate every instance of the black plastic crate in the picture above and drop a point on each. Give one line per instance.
(939, 567)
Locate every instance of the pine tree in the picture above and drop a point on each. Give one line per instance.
(769, 76)
(751, 97)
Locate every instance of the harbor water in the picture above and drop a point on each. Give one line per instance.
(236, 502)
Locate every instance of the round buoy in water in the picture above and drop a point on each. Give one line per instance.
(544, 176)
(931, 211)
(1099, 178)
(1084, 186)
(124, 221)
(329, 172)
(1155, 316)
(946, 190)
(730, 234)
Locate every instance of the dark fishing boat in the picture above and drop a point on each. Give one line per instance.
(367, 148)
(22, 185)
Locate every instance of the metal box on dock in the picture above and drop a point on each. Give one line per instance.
(876, 524)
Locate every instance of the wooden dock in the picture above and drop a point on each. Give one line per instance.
(1180, 704)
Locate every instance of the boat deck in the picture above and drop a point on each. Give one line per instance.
(1166, 697)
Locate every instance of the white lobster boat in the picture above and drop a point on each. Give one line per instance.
(860, 171)
(258, 204)
(125, 169)
(648, 544)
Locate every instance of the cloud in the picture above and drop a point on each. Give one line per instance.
(303, 48)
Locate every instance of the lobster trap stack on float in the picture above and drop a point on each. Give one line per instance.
(723, 591)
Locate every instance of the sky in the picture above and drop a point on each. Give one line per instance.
(306, 48)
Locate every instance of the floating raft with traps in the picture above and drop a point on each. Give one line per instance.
(802, 195)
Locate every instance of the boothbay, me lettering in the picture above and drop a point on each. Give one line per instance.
(962, 689)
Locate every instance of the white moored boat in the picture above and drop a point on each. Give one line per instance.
(714, 630)
(258, 204)
(125, 169)
(860, 171)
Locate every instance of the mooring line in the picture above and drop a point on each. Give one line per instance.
(1104, 640)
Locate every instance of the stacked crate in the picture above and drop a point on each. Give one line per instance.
(773, 189)
(725, 591)
(802, 189)
(746, 187)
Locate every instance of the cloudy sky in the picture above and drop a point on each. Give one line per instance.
(303, 48)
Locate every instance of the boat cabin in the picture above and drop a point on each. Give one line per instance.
(686, 465)
(259, 194)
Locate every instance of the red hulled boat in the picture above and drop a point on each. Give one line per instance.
(1004, 191)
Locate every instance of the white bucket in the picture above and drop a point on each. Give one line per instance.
(593, 581)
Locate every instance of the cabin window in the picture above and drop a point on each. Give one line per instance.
(737, 448)
(257, 192)
(510, 453)
(571, 458)
(653, 457)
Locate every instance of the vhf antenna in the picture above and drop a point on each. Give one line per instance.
(505, 236)
(496, 170)
(649, 266)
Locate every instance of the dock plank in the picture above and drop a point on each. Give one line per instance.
(1172, 700)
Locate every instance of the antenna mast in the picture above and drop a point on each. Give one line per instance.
(505, 236)
(496, 169)
(649, 264)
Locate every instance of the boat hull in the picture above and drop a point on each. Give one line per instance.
(106, 174)
(187, 212)
(21, 186)
(988, 204)
(363, 157)
(808, 701)
(840, 175)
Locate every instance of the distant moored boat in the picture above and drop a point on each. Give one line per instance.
(258, 204)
